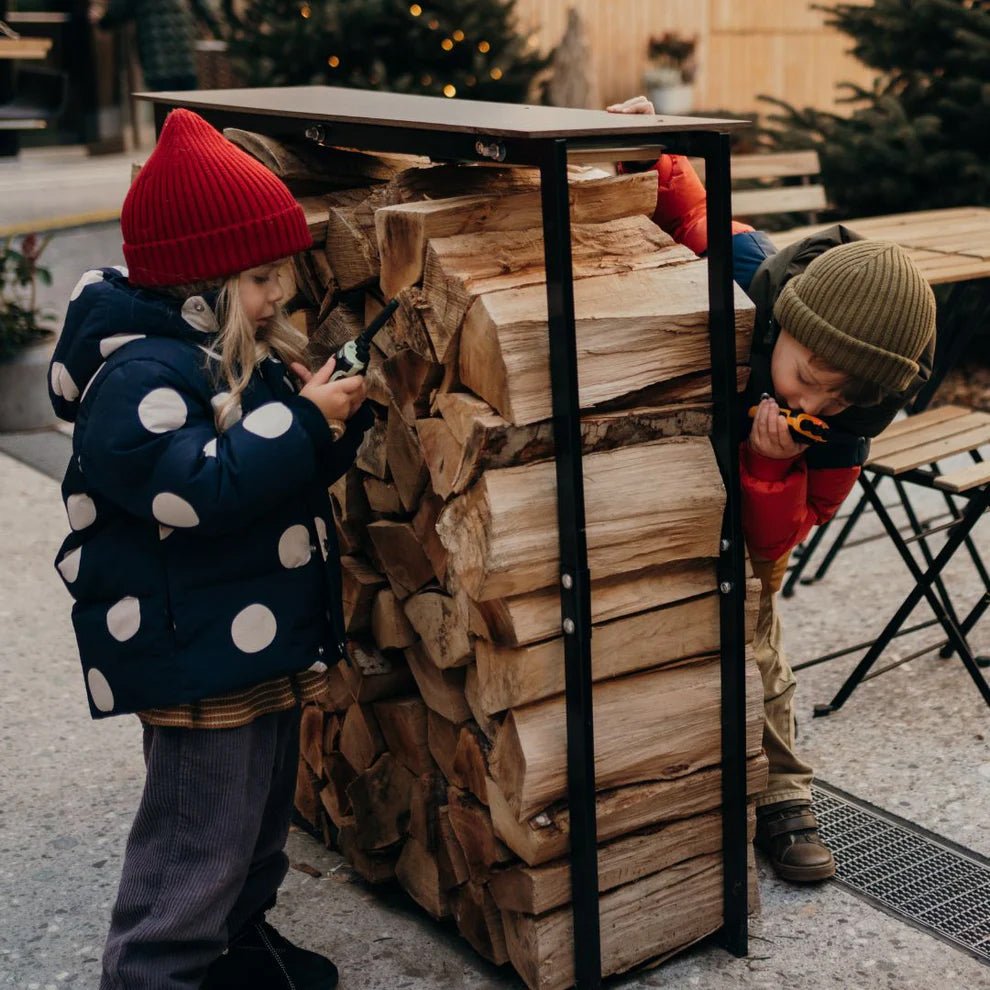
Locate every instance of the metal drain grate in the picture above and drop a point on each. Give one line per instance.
(908, 872)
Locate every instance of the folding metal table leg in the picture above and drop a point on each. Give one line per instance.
(922, 589)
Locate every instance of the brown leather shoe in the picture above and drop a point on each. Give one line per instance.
(788, 833)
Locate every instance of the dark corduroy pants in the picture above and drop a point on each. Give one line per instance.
(206, 851)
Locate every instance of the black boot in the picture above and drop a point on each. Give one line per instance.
(258, 958)
(788, 833)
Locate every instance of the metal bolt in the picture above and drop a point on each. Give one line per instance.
(725, 587)
(725, 544)
(495, 150)
(567, 581)
(316, 132)
(569, 626)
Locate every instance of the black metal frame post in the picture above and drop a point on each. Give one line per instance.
(731, 572)
(575, 579)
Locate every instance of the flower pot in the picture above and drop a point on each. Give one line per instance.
(674, 100)
(24, 403)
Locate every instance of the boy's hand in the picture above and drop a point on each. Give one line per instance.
(770, 435)
(635, 104)
(336, 400)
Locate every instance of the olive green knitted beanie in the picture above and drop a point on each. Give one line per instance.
(865, 309)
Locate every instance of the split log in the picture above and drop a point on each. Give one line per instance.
(341, 325)
(380, 798)
(536, 890)
(372, 455)
(426, 797)
(413, 324)
(351, 246)
(479, 921)
(652, 726)
(442, 690)
(359, 584)
(488, 724)
(471, 762)
(406, 565)
(442, 735)
(306, 800)
(441, 621)
(404, 231)
(528, 618)
(311, 737)
(338, 695)
(339, 775)
(655, 322)
(403, 725)
(509, 677)
(383, 496)
(418, 873)
(646, 505)
(450, 857)
(375, 868)
(472, 824)
(471, 437)
(389, 626)
(643, 920)
(459, 269)
(373, 674)
(361, 741)
(546, 836)
(405, 460)
(411, 380)
(424, 525)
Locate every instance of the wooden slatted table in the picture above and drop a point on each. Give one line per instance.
(951, 245)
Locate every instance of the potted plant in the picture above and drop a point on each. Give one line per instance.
(25, 341)
(669, 78)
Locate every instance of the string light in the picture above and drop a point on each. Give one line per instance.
(426, 80)
(333, 61)
(415, 10)
(458, 35)
(446, 44)
(471, 80)
(434, 24)
(483, 47)
(449, 90)
(305, 10)
(496, 73)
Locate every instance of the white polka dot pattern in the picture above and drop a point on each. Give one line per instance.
(319, 667)
(62, 383)
(269, 421)
(99, 690)
(294, 548)
(162, 410)
(124, 619)
(88, 278)
(68, 566)
(172, 510)
(232, 415)
(210, 448)
(81, 510)
(164, 532)
(122, 269)
(117, 340)
(253, 628)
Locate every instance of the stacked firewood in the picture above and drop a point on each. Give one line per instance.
(439, 757)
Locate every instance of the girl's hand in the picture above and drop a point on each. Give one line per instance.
(770, 435)
(635, 104)
(336, 400)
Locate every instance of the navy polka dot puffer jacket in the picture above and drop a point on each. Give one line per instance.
(202, 557)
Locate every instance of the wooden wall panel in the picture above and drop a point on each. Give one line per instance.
(746, 47)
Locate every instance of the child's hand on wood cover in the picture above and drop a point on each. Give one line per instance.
(635, 104)
(336, 400)
(770, 435)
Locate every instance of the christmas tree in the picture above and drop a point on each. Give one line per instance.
(920, 137)
(436, 47)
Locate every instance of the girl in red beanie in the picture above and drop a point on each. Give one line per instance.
(202, 558)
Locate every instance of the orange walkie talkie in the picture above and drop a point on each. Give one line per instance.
(804, 427)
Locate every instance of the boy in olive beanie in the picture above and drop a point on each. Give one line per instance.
(845, 331)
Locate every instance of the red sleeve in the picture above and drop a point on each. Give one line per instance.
(783, 499)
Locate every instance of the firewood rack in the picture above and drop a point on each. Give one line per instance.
(548, 138)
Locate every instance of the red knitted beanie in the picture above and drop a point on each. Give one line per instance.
(201, 208)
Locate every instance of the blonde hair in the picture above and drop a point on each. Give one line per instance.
(242, 345)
